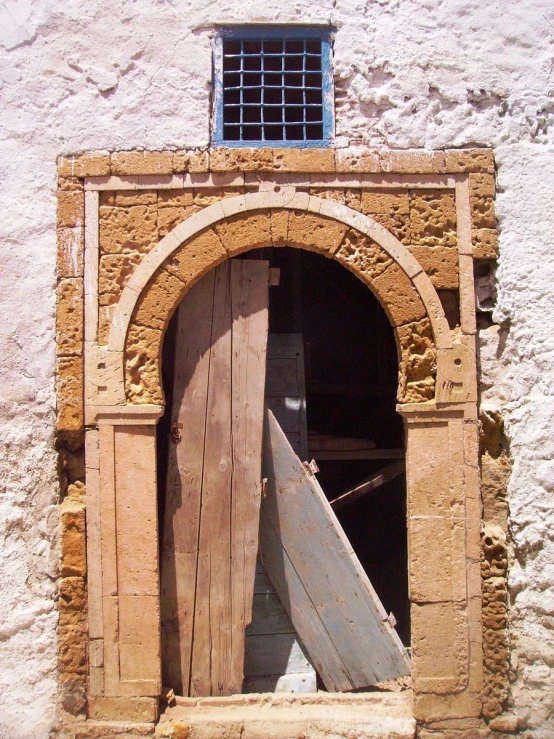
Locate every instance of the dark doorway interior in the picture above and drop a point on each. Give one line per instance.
(351, 369)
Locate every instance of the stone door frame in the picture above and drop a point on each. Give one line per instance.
(124, 673)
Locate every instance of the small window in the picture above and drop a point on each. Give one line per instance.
(273, 86)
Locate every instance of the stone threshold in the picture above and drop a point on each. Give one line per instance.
(270, 716)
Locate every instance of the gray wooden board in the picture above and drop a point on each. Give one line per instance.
(318, 577)
(274, 654)
(285, 388)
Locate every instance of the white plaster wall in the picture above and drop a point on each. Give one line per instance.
(78, 76)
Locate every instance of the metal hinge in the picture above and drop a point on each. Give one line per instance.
(390, 620)
(311, 467)
(175, 434)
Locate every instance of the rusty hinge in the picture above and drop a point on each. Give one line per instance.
(175, 434)
(311, 467)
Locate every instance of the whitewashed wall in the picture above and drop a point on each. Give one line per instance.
(77, 76)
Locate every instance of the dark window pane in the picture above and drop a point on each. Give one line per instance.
(231, 63)
(314, 133)
(294, 97)
(272, 80)
(273, 63)
(293, 80)
(231, 80)
(313, 80)
(273, 133)
(295, 133)
(294, 63)
(313, 63)
(252, 96)
(231, 115)
(313, 114)
(251, 80)
(231, 97)
(273, 46)
(231, 133)
(252, 47)
(251, 115)
(253, 63)
(313, 46)
(273, 115)
(314, 97)
(273, 96)
(294, 46)
(294, 115)
(251, 133)
(231, 47)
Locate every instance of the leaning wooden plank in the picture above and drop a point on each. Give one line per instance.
(331, 602)
(211, 646)
(184, 483)
(249, 303)
(390, 472)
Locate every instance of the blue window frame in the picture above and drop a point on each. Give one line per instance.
(273, 86)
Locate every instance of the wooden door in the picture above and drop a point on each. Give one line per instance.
(318, 577)
(211, 520)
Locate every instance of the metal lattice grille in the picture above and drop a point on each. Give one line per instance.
(273, 89)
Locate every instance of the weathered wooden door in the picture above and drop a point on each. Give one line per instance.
(319, 579)
(211, 520)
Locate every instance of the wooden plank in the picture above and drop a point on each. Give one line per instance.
(319, 579)
(269, 616)
(249, 306)
(390, 472)
(278, 654)
(285, 389)
(300, 682)
(326, 442)
(214, 479)
(184, 482)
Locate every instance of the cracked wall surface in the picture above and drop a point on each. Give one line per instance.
(76, 78)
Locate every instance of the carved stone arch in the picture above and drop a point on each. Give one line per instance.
(281, 218)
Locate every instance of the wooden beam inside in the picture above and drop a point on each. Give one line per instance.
(372, 483)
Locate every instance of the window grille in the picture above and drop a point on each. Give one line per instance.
(273, 86)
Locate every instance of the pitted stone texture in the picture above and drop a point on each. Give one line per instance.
(69, 391)
(346, 196)
(142, 360)
(303, 160)
(141, 162)
(241, 160)
(433, 218)
(204, 196)
(244, 232)
(114, 272)
(391, 210)
(69, 317)
(130, 229)
(196, 256)
(485, 243)
(470, 160)
(416, 375)
(193, 160)
(72, 538)
(159, 300)
(315, 233)
(440, 263)
(85, 165)
(495, 475)
(363, 256)
(482, 212)
(174, 206)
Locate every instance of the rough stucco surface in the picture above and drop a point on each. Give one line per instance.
(409, 73)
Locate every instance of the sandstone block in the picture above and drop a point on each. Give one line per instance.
(482, 212)
(71, 209)
(469, 160)
(170, 217)
(241, 160)
(73, 694)
(193, 160)
(95, 164)
(72, 594)
(439, 647)
(279, 227)
(417, 362)
(71, 244)
(204, 196)
(72, 650)
(398, 296)
(304, 160)
(485, 243)
(126, 199)
(430, 577)
(105, 318)
(69, 392)
(244, 232)
(495, 475)
(440, 263)
(70, 316)
(72, 538)
(363, 256)
(433, 219)
(70, 183)
(141, 162)
(175, 198)
(196, 257)
(429, 707)
(481, 185)
(159, 299)
(507, 724)
(413, 162)
(143, 349)
(95, 681)
(123, 709)
(114, 273)
(315, 233)
(357, 160)
(128, 230)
